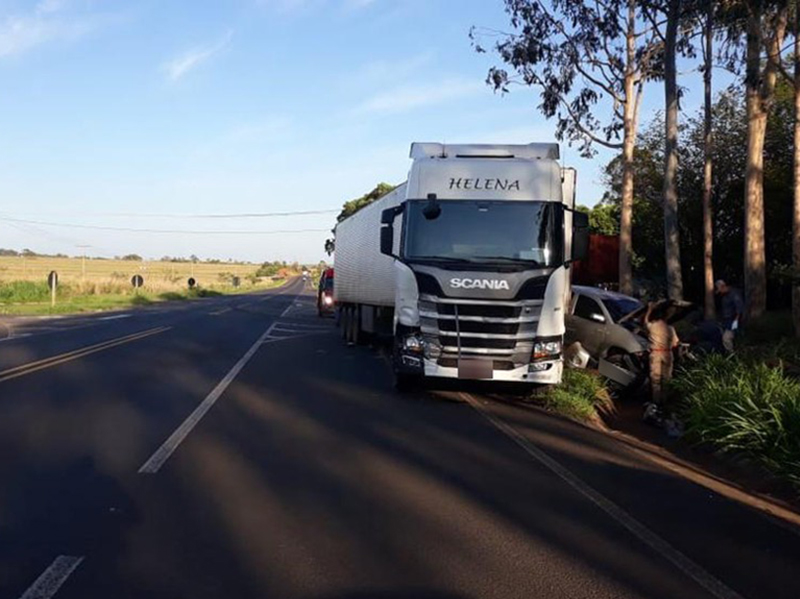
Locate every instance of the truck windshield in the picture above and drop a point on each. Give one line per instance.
(527, 233)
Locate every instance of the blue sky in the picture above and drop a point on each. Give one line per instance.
(190, 107)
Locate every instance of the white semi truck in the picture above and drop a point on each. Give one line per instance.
(466, 265)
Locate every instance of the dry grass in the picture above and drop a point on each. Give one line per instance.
(107, 283)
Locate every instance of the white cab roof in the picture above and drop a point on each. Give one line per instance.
(535, 151)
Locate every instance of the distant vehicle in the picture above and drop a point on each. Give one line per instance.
(466, 265)
(608, 326)
(325, 303)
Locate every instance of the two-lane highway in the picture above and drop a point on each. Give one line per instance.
(236, 448)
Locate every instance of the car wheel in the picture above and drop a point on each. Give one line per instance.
(632, 363)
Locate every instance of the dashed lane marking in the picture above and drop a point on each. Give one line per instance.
(50, 580)
(163, 453)
(696, 572)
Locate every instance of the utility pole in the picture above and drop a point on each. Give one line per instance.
(84, 247)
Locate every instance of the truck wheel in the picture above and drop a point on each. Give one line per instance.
(344, 322)
(405, 382)
(355, 331)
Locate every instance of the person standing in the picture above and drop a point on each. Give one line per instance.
(731, 312)
(662, 340)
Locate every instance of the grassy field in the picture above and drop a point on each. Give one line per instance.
(96, 284)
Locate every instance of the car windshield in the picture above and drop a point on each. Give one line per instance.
(527, 233)
(620, 307)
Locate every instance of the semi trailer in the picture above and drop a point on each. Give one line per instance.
(466, 265)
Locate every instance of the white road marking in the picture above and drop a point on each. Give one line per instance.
(712, 584)
(116, 317)
(162, 454)
(12, 337)
(51, 579)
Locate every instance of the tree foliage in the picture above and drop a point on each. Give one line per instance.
(729, 155)
(352, 206)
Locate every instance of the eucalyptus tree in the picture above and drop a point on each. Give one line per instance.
(589, 61)
(756, 33)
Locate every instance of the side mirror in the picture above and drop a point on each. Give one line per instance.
(387, 230)
(432, 210)
(387, 240)
(580, 235)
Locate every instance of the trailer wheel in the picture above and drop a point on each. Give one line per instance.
(344, 322)
(355, 331)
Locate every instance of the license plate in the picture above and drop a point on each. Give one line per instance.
(475, 369)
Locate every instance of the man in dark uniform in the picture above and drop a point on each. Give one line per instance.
(731, 312)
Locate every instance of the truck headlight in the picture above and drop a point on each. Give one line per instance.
(546, 349)
(413, 343)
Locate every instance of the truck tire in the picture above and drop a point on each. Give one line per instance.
(406, 383)
(344, 322)
(355, 325)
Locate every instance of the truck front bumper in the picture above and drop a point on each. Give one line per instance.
(542, 373)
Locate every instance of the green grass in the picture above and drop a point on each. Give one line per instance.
(581, 395)
(744, 405)
(33, 299)
(770, 339)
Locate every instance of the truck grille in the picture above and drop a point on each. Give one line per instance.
(501, 331)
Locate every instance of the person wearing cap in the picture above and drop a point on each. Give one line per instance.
(731, 312)
(662, 340)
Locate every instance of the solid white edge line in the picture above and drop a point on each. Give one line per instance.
(696, 572)
(50, 580)
(163, 453)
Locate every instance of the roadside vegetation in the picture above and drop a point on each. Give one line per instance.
(104, 284)
(582, 395)
(745, 406)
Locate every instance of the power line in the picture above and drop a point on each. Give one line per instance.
(169, 231)
(192, 216)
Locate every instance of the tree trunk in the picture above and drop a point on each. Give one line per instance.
(709, 309)
(755, 276)
(796, 219)
(672, 244)
(628, 146)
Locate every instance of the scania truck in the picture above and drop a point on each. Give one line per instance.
(466, 265)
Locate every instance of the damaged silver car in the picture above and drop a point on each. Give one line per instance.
(609, 328)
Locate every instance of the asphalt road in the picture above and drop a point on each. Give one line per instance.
(233, 447)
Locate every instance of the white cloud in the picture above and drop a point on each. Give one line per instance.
(357, 4)
(379, 72)
(48, 21)
(191, 59)
(298, 6)
(411, 97)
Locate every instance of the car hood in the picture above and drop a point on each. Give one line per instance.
(676, 311)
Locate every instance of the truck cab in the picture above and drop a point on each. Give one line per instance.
(482, 245)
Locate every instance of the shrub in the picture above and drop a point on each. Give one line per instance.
(745, 406)
(581, 394)
(24, 291)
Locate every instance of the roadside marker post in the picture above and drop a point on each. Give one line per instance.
(137, 281)
(52, 282)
